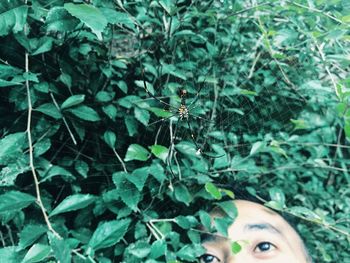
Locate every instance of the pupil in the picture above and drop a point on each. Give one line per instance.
(207, 258)
(264, 246)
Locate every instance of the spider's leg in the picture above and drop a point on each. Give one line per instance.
(171, 152)
(151, 95)
(162, 119)
(199, 150)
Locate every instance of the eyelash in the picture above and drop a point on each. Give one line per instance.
(259, 250)
(209, 255)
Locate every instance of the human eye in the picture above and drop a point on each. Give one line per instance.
(264, 247)
(208, 258)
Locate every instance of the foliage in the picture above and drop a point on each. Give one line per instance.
(122, 179)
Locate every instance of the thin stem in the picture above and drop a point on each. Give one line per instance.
(317, 11)
(31, 156)
(63, 118)
(120, 160)
(323, 58)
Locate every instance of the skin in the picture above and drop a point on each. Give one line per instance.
(263, 235)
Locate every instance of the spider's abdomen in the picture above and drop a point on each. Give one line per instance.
(183, 111)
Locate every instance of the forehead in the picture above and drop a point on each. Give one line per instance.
(254, 218)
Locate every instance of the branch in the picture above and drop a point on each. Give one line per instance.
(30, 144)
(120, 160)
(63, 118)
(317, 11)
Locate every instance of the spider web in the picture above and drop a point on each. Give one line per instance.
(262, 94)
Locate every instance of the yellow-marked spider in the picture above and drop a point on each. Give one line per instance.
(183, 112)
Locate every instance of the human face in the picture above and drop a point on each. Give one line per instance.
(263, 235)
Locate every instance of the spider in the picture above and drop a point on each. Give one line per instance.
(182, 111)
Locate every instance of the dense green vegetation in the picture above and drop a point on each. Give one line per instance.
(95, 168)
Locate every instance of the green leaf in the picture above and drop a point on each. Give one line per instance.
(142, 115)
(140, 249)
(205, 219)
(347, 129)
(111, 111)
(5, 83)
(110, 138)
(213, 190)
(14, 201)
(9, 173)
(305, 212)
(191, 252)
(160, 152)
(91, 16)
(13, 20)
(54, 170)
(130, 195)
(158, 248)
(29, 234)
(136, 152)
(182, 194)
(11, 146)
(109, 233)
(9, 255)
(186, 222)
(59, 20)
(73, 101)
(277, 195)
(82, 168)
(222, 224)
(37, 253)
(60, 248)
(73, 202)
(235, 247)
(187, 148)
(104, 96)
(115, 17)
(229, 208)
(49, 109)
(85, 113)
(257, 147)
(139, 177)
(127, 190)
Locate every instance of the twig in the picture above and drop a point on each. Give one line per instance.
(10, 234)
(271, 52)
(248, 9)
(63, 118)
(120, 160)
(323, 58)
(323, 224)
(251, 71)
(317, 11)
(2, 239)
(30, 144)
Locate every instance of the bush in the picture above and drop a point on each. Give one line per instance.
(124, 122)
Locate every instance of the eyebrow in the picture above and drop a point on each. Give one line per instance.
(262, 226)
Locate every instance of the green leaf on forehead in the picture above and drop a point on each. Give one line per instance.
(235, 247)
